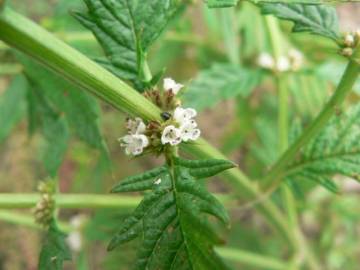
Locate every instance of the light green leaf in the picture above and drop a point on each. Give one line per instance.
(220, 82)
(335, 151)
(317, 19)
(172, 217)
(54, 250)
(55, 131)
(12, 106)
(125, 30)
(221, 3)
(81, 111)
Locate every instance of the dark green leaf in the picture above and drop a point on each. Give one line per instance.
(220, 82)
(126, 29)
(335, 151)
(317, 19)
(12, 106)
(172, 217)
(54, 250)
(205, 168)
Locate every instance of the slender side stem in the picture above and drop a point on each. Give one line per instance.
(86, 201)
(33, 40)
(273, 179)
(230, 31)
(302, 252)
(251, 259)
(92, 201)
(27, 220)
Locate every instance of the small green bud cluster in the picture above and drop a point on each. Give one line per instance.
(44, 209)
(349, 42)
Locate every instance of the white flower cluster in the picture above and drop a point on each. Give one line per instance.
(293, 61)
(135, 142)
(186, 131)
(181, 128)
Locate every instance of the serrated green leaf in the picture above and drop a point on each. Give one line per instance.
(54, 250)
(12, 106)
(220, 82)
(335, 151)
(316, 19)
(172, 218)
(126, 29)
(221, 3)
(205, 168)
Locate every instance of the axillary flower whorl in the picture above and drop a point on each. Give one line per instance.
(178, 124)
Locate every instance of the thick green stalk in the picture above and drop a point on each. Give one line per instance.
(274, 178)
(33, 40)
(251, 259)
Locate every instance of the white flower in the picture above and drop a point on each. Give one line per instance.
(265, 60)
(349, 40)
(157, 181)
(189, 131)
(74, 241)
(182, 115)
(171, 135)
(170, 84)
(283, 64)
(134, 144)
(136, 126)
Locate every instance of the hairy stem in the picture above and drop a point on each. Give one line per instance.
(33, 40)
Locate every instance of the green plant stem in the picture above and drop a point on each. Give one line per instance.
(33, 40)
(88, 201)
(274, 178)
(251, 259)
(230, 31)
(288, 199)
(85, 201)
(27, 220)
